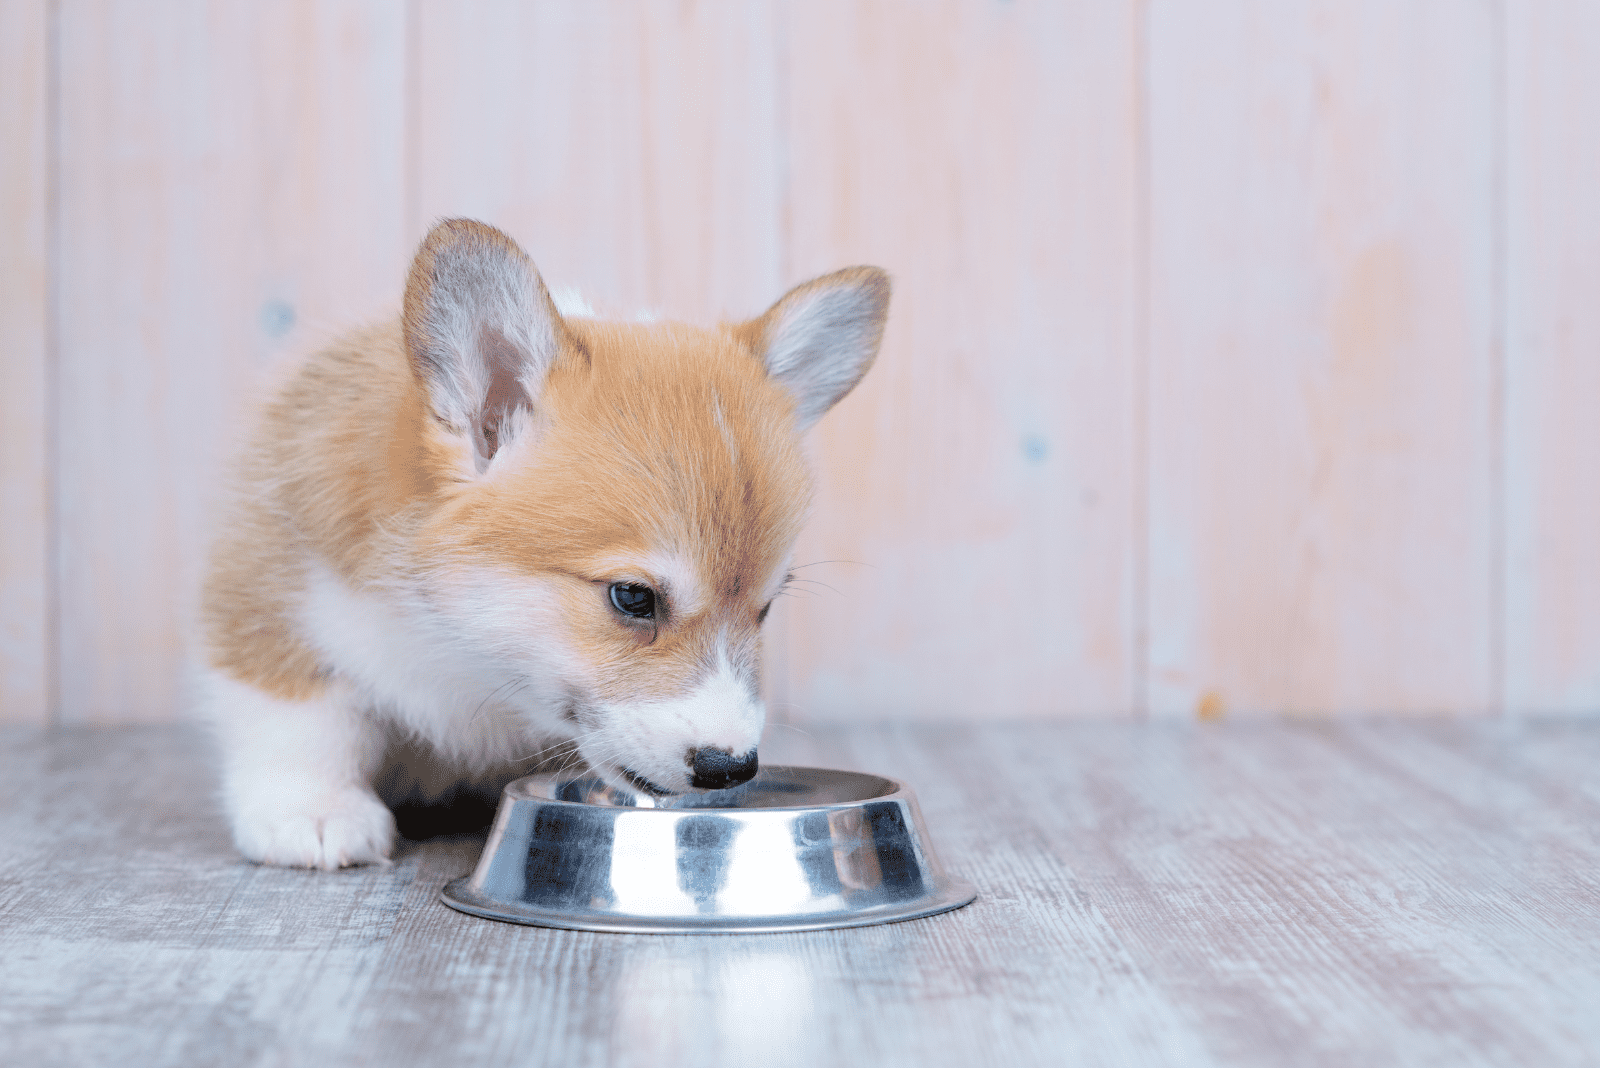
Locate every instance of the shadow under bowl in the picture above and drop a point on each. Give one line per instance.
(794, 849)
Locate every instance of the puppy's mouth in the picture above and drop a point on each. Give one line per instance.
(642, 784)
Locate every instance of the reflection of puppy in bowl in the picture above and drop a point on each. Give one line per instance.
(489, 529)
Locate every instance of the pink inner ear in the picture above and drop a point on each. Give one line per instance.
(505, 394)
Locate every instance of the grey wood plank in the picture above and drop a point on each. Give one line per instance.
(1246, 893)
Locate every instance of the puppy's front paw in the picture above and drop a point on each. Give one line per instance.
(350, 826)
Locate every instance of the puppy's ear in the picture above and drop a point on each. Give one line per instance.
(821, 337)
(481, 332)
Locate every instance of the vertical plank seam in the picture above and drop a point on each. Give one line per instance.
(411, 120)
(1499, 356)
(52, 368)
(780, 139)
(783, 648)
(1139, 688)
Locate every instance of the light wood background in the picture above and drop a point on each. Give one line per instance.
(1243, 353)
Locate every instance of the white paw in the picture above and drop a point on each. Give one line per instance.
(350, 826)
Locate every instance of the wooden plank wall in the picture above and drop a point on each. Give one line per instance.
(1323, 354)
(1241, 353)
(1551, 266)
(231, 184)
(987, 154)
(26, 165)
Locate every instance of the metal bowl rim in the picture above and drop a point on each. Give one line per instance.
(900, 793)
(950, 894)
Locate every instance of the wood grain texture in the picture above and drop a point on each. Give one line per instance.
(630, 147)
(1552, 165)
(1322, 365)
(231, 188)
(25, 691)
(1254, 892)
(972, 546)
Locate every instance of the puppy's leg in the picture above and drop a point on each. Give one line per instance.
(296, 776)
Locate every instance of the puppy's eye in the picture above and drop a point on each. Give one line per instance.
(632, 599)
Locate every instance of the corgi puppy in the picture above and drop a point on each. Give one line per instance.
(489, 531)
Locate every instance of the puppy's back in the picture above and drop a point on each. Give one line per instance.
(338, 459)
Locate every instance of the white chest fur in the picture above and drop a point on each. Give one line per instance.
(414, 672)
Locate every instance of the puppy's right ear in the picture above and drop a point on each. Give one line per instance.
(821, 337)
(481, 332)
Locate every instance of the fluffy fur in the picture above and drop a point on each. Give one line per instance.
(434, 512)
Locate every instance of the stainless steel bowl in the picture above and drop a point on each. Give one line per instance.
(794, 849)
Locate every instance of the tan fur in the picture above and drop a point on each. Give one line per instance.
(631, 459)
(342, 452)
(346, 462)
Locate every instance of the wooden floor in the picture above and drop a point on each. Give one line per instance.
(1239, 893)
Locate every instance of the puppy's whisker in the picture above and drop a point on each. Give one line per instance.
(515, 684)
(814, 582)
(819, 563)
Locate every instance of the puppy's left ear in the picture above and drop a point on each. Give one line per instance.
(822, 337)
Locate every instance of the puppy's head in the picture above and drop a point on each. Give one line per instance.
(622, 498)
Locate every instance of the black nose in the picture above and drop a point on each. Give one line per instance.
(718, 769)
